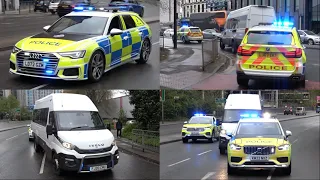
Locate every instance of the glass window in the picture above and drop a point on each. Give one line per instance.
(115, 24)
(87, 25)
(129, 21)
(78, 120)
(201, 120)
(270, 37)
(309, 32)
(195, 30)
(234, 115)
(259, 128)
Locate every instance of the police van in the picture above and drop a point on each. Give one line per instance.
(237, 106)
(69, 129)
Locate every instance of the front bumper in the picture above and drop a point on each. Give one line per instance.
(60, 68)
(316, 41)
(197, 135)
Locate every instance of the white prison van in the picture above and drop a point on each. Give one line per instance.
(237, 106)
(69, 129)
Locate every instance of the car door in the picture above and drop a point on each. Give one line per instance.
(136, 30)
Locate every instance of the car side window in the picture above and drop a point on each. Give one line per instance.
(129, 21)
(115, 24)
(137, 21)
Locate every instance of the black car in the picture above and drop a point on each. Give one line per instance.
(41, 6)
(288, 111)
(67, 6)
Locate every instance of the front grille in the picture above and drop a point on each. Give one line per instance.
(259, 150)
(259, 163)
(50, 65)
(195, 129)
(93, 151)
(97, 161)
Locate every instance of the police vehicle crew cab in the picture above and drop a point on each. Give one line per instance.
(83, 45)
(270, 51)
(200, 127)
(69, 129)
(259, 143)
(236, 107)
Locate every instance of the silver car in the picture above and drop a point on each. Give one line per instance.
(300, 111)
(309, 37)
(210, 34)
(53, 6)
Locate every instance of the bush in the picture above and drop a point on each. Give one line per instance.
(127, 131)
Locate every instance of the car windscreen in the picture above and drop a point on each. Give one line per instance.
(86, 25)
(299, 109)
(234, 115)
(309, 32)
(195, 30)
(78, 120)
(269, 38)
(258, 129)
(200, 120)
(118, 1)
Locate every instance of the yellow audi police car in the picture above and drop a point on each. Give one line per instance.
(200, 127)
(271, 51)
(259, 143)
(83, 45)
(187, 34)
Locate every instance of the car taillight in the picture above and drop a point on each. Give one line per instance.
(244, 52)
(73, 6)
(189, 33)
(297, 53)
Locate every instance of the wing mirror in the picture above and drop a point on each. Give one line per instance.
(288, 133)
(186, 122)
(49, 130)
(115, 32)
(46, 28)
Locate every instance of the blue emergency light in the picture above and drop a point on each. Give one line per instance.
(81, 8)
(283, 24)
(198, 114)
(249, 115)
(49, 72)
(45, 60)
(185, 25)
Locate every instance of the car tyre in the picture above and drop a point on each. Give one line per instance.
(184, 140)
(310, 42)
(231, 170)
(287, 171)
(184, 40)
(56, 166)
(222, 46)
(234, 48)
(96, 66)
(145, 52)
(242, 81)
(37, 147)
(222, 151)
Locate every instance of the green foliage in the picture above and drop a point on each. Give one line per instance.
(9, 105)
(150, 141)
(127, 130)
(25, 113)
(96, 96)
(146, 108)
(122, 116)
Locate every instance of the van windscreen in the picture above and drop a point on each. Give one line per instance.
(78, 120)
(234, 115)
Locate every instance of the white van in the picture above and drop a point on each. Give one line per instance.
(237, 106)
(70, 130)
(239, 21)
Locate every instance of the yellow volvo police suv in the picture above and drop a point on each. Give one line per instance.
(271, 51)
(259, 143)
(200, 127)
(83, 45)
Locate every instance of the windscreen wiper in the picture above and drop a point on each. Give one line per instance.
(78, 127)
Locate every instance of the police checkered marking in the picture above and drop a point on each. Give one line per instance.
(104, 43)
(85, 73)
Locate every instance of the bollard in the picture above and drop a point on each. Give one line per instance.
(202, 55)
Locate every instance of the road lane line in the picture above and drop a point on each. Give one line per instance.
(209, 174)
(270, 174)
(39, 87)
(294, 141)
(204, 152)
(42, 163)
(178, 162)
(24, 133)
(12, 137)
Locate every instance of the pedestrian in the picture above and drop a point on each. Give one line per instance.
(119, 128)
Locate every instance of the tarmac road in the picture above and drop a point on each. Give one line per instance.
(203, 161)
(19, 161)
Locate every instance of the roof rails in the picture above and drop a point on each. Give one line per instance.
(109, 9)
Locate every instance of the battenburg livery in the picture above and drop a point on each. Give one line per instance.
(83, 45)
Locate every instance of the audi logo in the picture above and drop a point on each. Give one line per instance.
(35, 55)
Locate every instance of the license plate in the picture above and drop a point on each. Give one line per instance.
(267, 55)
(195, 133)
(259, 158)
(98, 168)
(65, 6)
(34, 64)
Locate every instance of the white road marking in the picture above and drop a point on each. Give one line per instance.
(270, 174)
(155, 43)
(294, 141)
(24, 133)
(39, 87)
(42, 163)
(209, 174)
(12, 137)
(204, 152)
(178, 162)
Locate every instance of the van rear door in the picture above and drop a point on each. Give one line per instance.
(261, 14)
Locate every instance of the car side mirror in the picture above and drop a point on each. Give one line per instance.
(49, 130)
(115, 32)
(288, 133)
(186, 122)
(46, 28)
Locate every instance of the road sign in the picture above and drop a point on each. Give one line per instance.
(220, 100)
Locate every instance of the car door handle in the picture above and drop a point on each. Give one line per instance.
(125, 38)
(140, 33)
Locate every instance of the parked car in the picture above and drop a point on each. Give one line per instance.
(53, 6)
(41, 5)
(67, 6)
(163, 29)
(300, 111)
(210, 34)
(309, 37)
(168, 33)
(128, 5)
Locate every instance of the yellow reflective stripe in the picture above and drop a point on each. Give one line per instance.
(123, 23)
(108, 60)
(135, 36)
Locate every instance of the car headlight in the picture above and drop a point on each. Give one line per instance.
(67, 145)
(235, 147)
(15, 50)
(284, 147)
(73, 54)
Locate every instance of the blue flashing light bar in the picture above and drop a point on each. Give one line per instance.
(283, 24)
(78, 8)
(198, 114)
(49, 72)
(249, 115)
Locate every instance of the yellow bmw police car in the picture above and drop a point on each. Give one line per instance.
(259, 143)
(200, 127)
(187, 34)
(271, 51)
(83, 45)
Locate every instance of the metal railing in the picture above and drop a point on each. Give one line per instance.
(209, 50)
(147, 140)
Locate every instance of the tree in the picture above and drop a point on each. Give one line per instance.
(9, 105)
(122, 116)
(96, 96)
(146, 108)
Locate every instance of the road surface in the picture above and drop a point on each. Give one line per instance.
(203, 161)
(18, 160)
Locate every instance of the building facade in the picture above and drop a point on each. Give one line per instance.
(31, 96)
(304, 13)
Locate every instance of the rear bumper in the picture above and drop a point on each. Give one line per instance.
(270, 76)
(195, 38)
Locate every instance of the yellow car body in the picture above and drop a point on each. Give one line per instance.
(50, 55)
(187, 34)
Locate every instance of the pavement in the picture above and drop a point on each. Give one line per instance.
(15, 27)
(225, 76)
(170, 131)
(202, 160)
